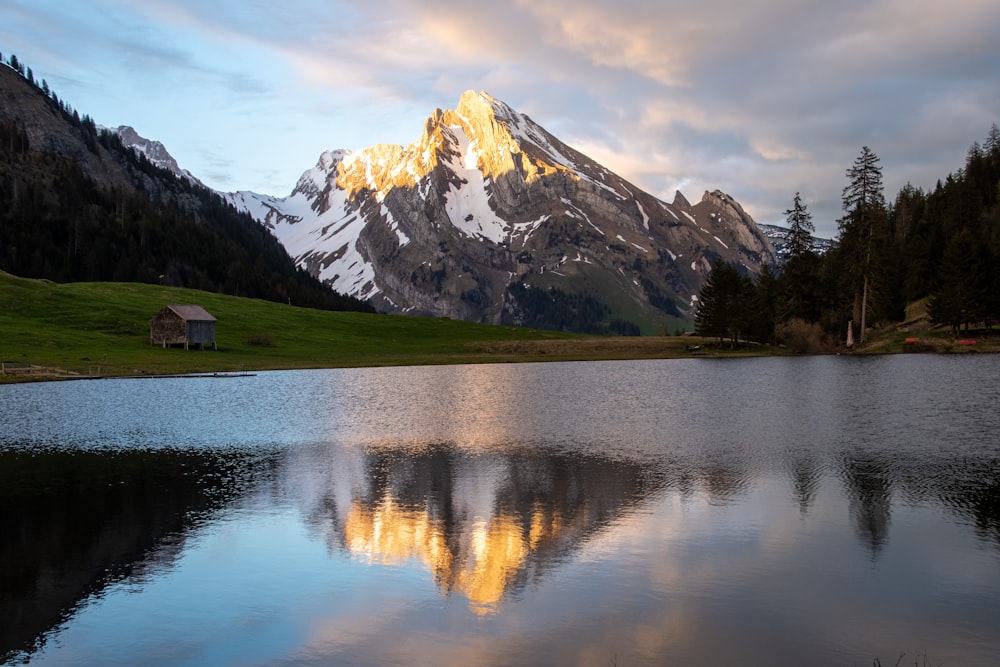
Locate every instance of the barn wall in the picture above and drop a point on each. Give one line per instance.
(167, 328)
(201, 332)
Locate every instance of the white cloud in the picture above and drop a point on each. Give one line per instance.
(761, 100)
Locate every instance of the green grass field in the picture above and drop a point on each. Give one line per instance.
(83, 327)
(103, 329)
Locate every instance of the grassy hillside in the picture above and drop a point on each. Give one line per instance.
(103, 328)
(917, 333)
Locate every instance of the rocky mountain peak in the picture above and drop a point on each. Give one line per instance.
(487, 216)
(154, 151)
(726, 215)
(725, 203)
(480, 105)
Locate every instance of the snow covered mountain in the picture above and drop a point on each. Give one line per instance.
(488, 217)
(778, 236)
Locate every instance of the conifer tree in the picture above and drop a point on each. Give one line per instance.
(725, 304)
(765, 293)
(861, 230)
(960, 296)
(800, 229)
(992, 146)
(801, 270)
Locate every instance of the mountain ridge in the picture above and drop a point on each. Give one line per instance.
(152, 150)
(486, 207)
(76, 204)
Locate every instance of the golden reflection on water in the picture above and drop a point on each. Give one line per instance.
(474, 405)
(390, 534)
(482, 566)
(498, 550)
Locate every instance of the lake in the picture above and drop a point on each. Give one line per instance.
(780, 511)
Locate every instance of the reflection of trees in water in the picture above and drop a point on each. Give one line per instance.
(869, 490)
(723, 480)
(968, 488)
(546, 505)
(806, 473)
(977, 498)
(719, 477)
(72, 522)
(487, 524)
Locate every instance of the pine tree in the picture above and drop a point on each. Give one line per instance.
(800, 229)
(861, 229)
(958, 299)
(800, 298)
(992, 145)
(766, 298)
(724, 304)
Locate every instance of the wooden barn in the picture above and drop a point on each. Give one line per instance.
(182, 325)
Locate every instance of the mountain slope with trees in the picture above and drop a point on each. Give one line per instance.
(942, 245)
(77, 205)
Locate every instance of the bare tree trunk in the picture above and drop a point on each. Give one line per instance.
(864, 309)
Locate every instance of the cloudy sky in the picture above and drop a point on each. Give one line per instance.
(760, 99)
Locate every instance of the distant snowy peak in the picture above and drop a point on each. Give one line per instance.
(778, 236)
(154, 151)
(263, 208)
(314, 180)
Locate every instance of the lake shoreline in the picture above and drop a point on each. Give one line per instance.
(516, 352)
(56, 332)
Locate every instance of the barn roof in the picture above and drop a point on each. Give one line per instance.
(192, 313)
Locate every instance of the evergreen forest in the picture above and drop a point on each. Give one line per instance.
(942, 245)
(83, 207)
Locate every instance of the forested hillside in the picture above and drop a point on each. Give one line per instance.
(943, 244)
(76, 205)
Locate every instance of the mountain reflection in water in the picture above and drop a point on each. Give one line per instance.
(831, 511)
(484, 524)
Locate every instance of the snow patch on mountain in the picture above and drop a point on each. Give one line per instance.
(260, 207)
(345, 268)
(468, 204)
(645, 216)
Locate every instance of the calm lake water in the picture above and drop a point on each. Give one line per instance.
(820, 511)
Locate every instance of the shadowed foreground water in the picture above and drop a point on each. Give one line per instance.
(761, 511)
